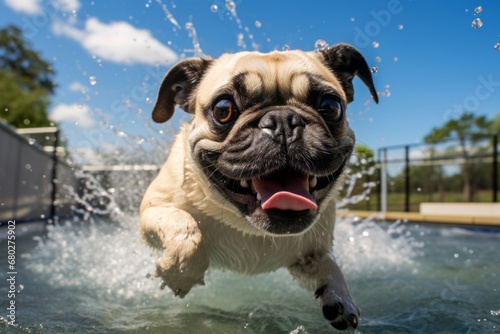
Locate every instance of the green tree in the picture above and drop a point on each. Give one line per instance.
(467, 126)
(26, 81)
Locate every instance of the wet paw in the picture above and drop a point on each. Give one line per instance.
(181, 277)
(340, 311)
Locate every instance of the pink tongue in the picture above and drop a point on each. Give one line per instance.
(290, 194)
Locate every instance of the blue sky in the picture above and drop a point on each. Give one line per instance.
(432, 65)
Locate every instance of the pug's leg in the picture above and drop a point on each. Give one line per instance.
(320, 273)
(184, 260)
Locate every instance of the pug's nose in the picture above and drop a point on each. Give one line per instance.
(283, 126)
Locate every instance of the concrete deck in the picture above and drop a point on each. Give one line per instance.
(428, 218)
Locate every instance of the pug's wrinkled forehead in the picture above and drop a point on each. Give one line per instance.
(272, 78)
(277, 77)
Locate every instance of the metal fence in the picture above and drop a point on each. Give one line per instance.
(34, 184)
(458, 170)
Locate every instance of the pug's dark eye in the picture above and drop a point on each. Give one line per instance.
(224, 111)
(331, 107)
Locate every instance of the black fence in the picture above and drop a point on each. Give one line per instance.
(458, 170)
(34, 184)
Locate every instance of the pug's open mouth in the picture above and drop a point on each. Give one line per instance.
(285, 201)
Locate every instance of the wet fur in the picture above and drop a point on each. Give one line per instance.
(184, 215)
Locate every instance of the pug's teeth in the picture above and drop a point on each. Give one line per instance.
(259, 197)
(244, 184)
(313, 181)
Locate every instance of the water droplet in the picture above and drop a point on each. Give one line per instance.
(375, 44)
(149, 100)
(285, 47)
(92, 80)
(42, 216)
(147, 5)
(496, 46)
(27, 166)
(395, 59)
(230, 5)
(26, 121)
(478, 10)
(320, 44)
(477, 23)
(374, 69)
(401, 27)
(21, 287)
(214, 8)
(188, 25)
(378, 59)
(258, 24)
(241, 40)
(31, 141)
(353, 19)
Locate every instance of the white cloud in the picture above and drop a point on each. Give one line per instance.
(77, 86)
(119, 42)
(30, 7)
(68, 5)
(79, 113)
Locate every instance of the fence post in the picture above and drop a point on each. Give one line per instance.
(407, 178)
(495, 167)
(54, 177)
(383, 180)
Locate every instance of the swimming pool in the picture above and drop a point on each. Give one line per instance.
(96, 277)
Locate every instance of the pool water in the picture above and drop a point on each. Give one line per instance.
(96, 277)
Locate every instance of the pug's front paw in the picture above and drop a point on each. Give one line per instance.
(180, 275)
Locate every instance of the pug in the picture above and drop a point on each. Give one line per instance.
(250, 181)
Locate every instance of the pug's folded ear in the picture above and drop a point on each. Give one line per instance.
(177, 87)
(345, 62)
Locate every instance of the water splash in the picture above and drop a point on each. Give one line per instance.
(231, 7)
(478, 10)
(168, 14)
(92, 80)
(107, 261)
(240, 40)
(496, 46)
(214, 8)
(374, 69)
(375, 44)
(197, 51)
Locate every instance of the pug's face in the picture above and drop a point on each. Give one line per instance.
(270, 130)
